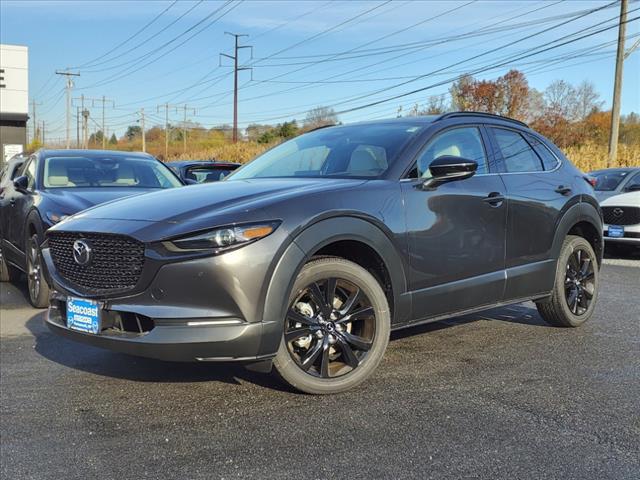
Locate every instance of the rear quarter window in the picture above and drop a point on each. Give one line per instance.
(549, 160)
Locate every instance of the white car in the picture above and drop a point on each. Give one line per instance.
(622, 218)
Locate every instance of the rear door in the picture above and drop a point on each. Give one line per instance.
(538, 191)
(456, 232)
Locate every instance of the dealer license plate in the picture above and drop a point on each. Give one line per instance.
(83, 315)
(616, 231)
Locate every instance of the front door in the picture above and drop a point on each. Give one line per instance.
(457, 231)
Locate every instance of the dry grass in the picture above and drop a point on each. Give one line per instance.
(240, 152)
(590, 157)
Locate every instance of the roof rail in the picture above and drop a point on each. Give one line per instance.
(480, 114)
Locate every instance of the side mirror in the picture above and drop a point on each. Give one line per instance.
(634, 187)
(21, 183)
(190, 181)
(448, 169)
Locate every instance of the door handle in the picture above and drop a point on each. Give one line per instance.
(563, 190)
(494, 199)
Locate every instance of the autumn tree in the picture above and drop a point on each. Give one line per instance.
(319, 117)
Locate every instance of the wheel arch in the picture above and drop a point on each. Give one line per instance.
(328, 237)
(583, 220)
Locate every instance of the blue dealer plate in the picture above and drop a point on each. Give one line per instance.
(83, 315)
(616, 231)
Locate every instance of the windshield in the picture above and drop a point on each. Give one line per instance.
(609, 181)
(360, 151)
(107, 171)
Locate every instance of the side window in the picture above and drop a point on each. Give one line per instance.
(549, 160)
(465, 142)
(29, 170)
(517, 153)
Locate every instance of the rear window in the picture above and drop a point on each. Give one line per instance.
(73, 172)
(208, 174)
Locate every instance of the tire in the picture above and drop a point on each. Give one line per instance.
(36, 283)
(350, 344)
(7, 272)
(575, 290)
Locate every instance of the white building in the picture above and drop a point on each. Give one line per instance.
(14, 99)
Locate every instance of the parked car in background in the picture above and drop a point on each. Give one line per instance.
(199, 171)
(310, 254)
(614, 181)
(54, 184)
(618, 190)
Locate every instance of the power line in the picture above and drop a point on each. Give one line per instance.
(91, 63)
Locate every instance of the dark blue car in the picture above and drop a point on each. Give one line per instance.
(201, 171)
(54, 184)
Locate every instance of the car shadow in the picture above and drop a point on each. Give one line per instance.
(521, 313)
(107, 363)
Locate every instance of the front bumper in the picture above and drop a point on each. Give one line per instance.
(203, 309)
(185, 340)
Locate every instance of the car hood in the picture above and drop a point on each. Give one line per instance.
(235, 198)
(629, 199)
(73, 200)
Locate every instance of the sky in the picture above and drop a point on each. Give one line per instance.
(365, 59)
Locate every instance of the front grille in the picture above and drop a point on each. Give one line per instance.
(621, 215)
(115, 265)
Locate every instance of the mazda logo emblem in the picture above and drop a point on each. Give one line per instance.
(618, 212)
(82, 252)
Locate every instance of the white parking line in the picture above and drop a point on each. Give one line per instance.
(623, 262)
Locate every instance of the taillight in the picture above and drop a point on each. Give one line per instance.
(591, 180)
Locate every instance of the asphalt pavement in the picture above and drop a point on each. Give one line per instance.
(494, 395)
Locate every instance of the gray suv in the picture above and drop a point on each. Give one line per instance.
(307, 257)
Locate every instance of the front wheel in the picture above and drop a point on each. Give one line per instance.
(576, 285)
(336, 329)
(38, 288)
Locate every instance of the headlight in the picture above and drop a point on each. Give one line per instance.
(224, 238)
(56, 217)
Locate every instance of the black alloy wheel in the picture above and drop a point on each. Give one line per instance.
(330, 327)
(579, 283)
(336, 327)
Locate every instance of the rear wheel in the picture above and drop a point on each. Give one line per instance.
(38, 288)
(576, 285)
(336, 330)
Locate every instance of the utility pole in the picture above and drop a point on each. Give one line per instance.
(144, 135)
(166, 129)
(68, 87)
(617, 88)
(85, 128)
(43, 133)
(236, 69)
(184, 128)
(77, 126)
(166, 107)
(35, 122)
(104, 132)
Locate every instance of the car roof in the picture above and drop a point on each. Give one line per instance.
(207, 163)
(94, 153)
(616, 170)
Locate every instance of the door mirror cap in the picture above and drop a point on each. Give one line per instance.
(190, 181)
(449, 168)
(21, 183)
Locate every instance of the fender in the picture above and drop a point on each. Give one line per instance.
(303, 247)
(580, 212)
